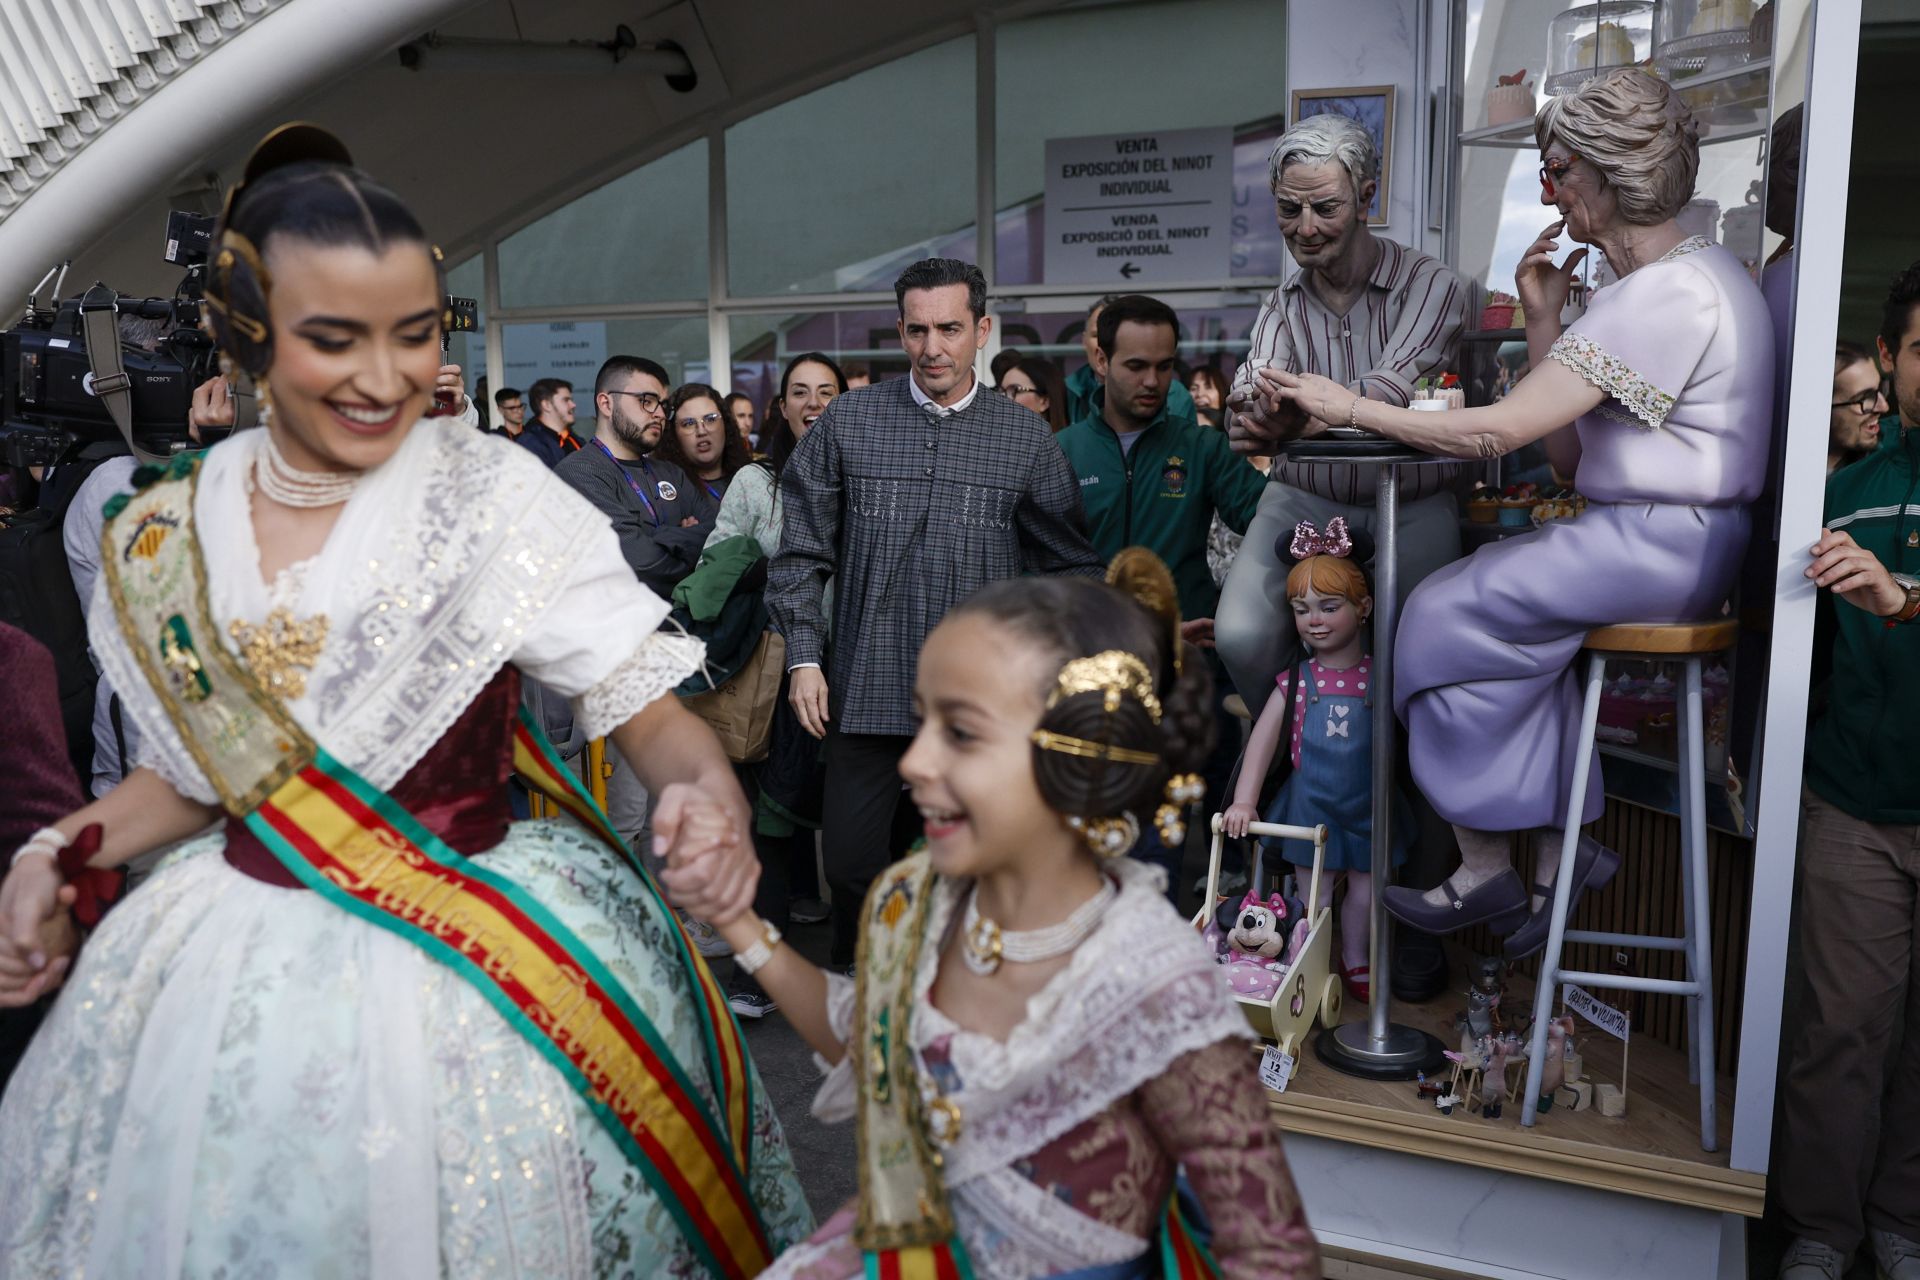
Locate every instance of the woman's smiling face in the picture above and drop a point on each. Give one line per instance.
(356, 347)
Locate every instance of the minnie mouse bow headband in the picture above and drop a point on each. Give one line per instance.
(1309, 541)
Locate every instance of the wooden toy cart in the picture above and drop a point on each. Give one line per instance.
(1310, 983)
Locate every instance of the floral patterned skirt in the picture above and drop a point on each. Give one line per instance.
(245, 1080)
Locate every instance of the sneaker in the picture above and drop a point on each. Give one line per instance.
(751, 1004)
(1897, 1257)
(706, 941)
(809, 911)
(1810, 1260)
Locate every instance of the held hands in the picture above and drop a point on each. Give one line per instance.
(1542, 286)
(1257, 419)
(711, 870)
(37, 937)
(1321, 399)
(1852, 572)
(807, 693)
(1238, 815)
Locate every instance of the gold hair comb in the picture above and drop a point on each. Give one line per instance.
(1115, 673)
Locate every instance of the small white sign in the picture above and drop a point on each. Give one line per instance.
(1604, 1016)
(1127, 210)
(570, 349)
(1276, 1068)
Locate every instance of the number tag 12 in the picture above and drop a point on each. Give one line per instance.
(1276, 1068)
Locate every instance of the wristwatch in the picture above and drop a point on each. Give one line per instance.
(1911, 609)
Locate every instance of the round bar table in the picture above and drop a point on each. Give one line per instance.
(1378, 1049)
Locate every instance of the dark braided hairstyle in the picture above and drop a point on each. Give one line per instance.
(1079, 618)
(299, 186)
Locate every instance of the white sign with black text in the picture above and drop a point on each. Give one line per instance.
(1276, 1068)
(1132, 209)
(1604, 1016)
(570, 349)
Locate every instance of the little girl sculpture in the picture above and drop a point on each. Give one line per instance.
(1324, 709)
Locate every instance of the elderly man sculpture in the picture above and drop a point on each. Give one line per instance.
(1369, 313)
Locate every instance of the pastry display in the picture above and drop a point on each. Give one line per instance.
(1607, 45)
(1483, 507)
(1721, 15)
(1444, 392)
(1511, 100)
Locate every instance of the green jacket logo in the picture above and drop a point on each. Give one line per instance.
(1175, 476)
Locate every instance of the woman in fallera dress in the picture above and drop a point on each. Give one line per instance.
(361, 1022)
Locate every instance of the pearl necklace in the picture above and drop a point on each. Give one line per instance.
(984, 944)
(289, 486)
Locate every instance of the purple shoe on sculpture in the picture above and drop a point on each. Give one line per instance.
(1500, 903)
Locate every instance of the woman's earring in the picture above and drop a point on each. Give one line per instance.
(1109, 838)
(1183, 789)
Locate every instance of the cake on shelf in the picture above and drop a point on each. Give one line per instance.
(1607, 45)
(1721, 15)
(1510, 100)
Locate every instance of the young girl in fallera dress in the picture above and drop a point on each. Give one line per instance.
(1324, 708)
(1036, 1043)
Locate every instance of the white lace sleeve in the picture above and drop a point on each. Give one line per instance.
(834, 1102)
(662, 661)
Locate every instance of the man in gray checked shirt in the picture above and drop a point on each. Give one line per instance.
(909, 494)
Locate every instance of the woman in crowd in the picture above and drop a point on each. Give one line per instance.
(739, 410)
(1036, 1043)
(368, 1023)
(1209, 390)
(787, 799)
(701, 441)
(1034, 382)
(1666, 382)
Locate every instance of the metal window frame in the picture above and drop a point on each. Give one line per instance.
(720, 304)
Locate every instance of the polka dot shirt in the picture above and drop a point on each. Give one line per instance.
(1331, 682)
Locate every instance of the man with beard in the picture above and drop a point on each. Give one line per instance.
(550, 435)
(1853, 427)
(908, 494)
(662, 517)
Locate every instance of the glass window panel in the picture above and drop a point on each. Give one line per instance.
(762, 345)
(575, 350)
(1054, 77)
(640, 238)
(839, 189)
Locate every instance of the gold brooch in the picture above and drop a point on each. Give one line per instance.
(281, 651)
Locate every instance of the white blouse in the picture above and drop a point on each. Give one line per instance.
(458, 555)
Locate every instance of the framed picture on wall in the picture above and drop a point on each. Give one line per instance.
(1371, 107)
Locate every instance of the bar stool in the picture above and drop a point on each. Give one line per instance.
(1687, 643)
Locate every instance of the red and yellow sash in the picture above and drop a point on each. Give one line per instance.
(355, 845)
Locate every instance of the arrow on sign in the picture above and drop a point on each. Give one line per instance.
(1129, 270)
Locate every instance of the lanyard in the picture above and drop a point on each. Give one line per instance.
(638, 491)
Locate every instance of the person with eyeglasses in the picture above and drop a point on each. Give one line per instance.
(660, 512)
(1853, 428)
(1034, 382)
(699, 439)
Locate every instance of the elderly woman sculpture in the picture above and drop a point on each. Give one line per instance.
(1666, 381)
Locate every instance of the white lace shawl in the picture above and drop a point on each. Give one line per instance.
(458, 555)
(1136, 996)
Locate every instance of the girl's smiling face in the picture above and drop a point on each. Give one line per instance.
(980, 695)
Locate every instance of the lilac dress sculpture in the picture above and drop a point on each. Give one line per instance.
(1484, 673)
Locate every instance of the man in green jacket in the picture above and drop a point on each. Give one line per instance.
(1084, 382)
(1848, 1163)
(1150, 476)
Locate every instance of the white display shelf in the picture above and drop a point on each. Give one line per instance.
(1517, 135)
